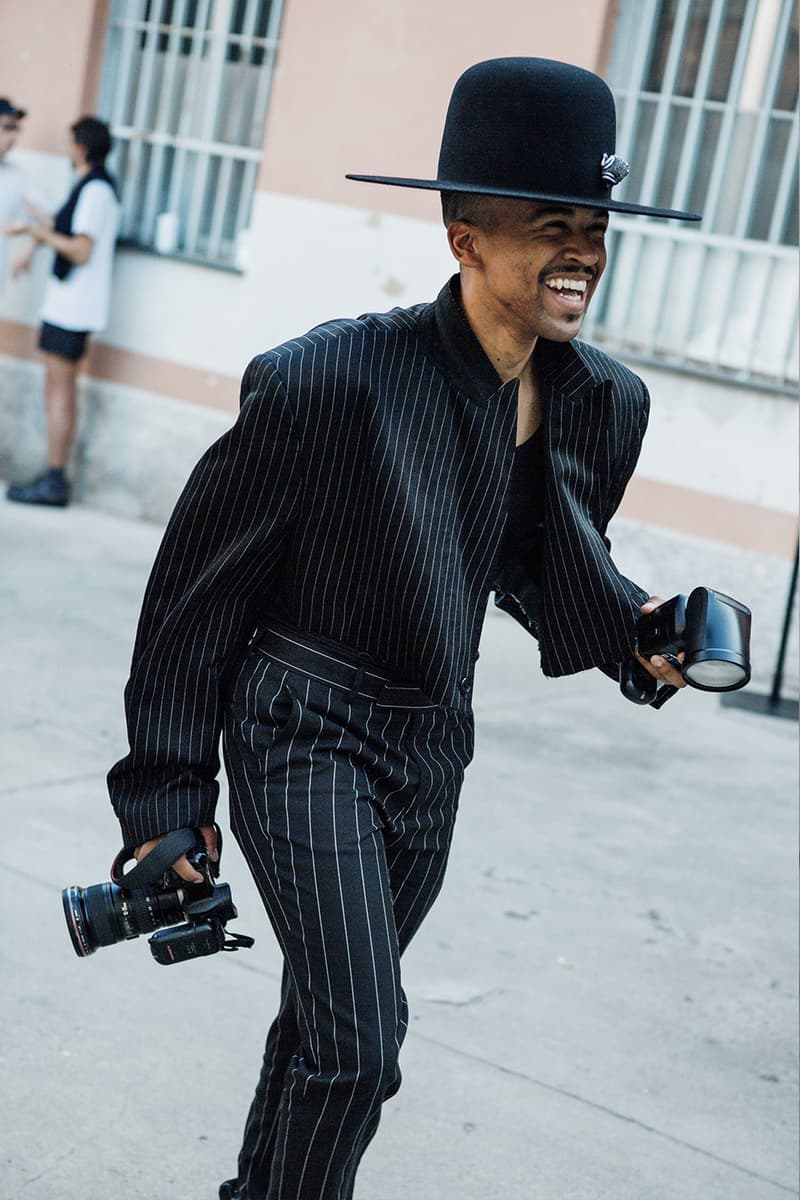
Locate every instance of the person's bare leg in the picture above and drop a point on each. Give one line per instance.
(59, 394)
(59, 390)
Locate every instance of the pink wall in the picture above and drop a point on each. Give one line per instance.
(363, 86)
(50, 54)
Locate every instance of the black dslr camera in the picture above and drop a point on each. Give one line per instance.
(151, 896)
(712, 630)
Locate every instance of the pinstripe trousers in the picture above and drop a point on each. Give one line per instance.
(344, 788)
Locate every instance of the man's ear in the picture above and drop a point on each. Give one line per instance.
(461, 236)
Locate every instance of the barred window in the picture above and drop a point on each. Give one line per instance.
(707, 100)
(185, 87)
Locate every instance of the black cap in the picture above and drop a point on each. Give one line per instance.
(535, 129)
(7, 109)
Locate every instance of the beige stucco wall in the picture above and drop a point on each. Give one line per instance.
(364, 87)
(50, 55)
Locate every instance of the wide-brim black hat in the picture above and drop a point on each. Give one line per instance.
(532, 129)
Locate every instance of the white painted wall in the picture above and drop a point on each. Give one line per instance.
(722, 439)
(304, 262)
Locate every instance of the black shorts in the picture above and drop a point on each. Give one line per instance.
(66, 343)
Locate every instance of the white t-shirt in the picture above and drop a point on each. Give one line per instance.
(81, 301)
(14, 184)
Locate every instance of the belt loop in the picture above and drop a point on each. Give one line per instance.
(358, 679)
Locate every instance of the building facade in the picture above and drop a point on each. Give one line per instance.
(235, 122)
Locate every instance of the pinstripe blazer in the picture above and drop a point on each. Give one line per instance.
(361, 496)
(595, 416)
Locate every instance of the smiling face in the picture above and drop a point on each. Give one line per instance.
(532, 266)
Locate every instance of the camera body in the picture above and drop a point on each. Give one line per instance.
(185, 920)
(712, 631)
(206, 907)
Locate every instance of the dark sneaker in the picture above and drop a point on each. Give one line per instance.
(229, 1190)
(50, 488)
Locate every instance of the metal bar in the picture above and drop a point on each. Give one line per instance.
(255, 133)
(267, 73)
(221, 22)
(777, 679)
(726, 133)
(728, 126)
(770, 253)
(664, 103)
(753, 178)
(123, 72)
(202, 84)
(246, 194)
(728, 291)
(166, 93)
(639, 60)
(139, 24)
(784, 192)
(261, 101)
(727, 375)
(698, 109)
(220, 202)
(789, 359)
(755, 333)
(134, 180)
(723, 241)
(158, 138)
(688, 157)
(627, 255)
(193, 72)
(246, 41)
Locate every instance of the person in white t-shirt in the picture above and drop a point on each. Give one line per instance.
(15, 188)
(76, 302)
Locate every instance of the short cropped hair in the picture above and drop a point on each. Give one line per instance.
(472, 207)
(95, 137)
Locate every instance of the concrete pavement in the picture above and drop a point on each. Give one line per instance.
(603, 1000)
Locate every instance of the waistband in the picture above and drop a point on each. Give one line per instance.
(336, 664)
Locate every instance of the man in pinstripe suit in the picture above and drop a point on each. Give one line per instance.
(321, 586)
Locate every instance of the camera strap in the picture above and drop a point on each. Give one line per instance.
(159, 860)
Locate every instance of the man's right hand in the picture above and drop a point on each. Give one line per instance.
(181, 866)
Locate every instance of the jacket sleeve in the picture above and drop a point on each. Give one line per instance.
(624, 473)
(626, 465)
(215, 567)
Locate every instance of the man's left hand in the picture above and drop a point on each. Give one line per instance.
(657, 665)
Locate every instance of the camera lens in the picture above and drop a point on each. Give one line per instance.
(104, 914)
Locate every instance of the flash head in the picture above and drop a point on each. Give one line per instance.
(710, 629)
(717, 642)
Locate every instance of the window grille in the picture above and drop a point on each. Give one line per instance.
(185, 87)
(707, 100)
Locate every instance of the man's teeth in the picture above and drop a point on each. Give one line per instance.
(566, 285)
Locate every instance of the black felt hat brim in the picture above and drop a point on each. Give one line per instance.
(606, 205)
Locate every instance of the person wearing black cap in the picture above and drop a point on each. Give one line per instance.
(15, 188)
(76, 303)
(321, 587)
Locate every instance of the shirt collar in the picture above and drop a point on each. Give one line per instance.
(448, 339)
